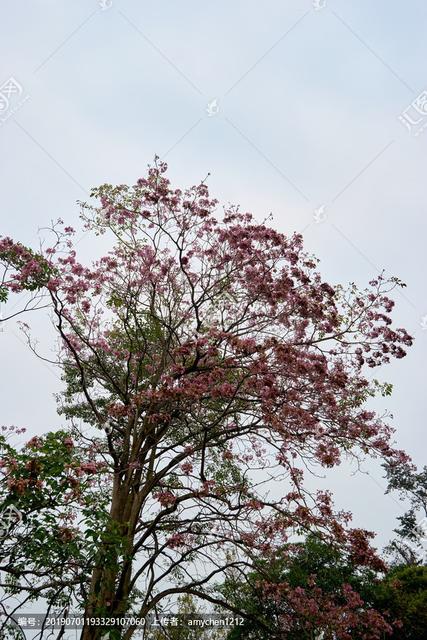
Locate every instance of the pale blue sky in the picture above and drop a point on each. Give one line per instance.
(308, 101)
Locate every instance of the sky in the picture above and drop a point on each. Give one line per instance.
(310, 110)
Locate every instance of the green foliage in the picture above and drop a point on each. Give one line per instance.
(404, 593)
(410, 484)
(58, 507)
(314, 557)
(401, 595)
(3, 294)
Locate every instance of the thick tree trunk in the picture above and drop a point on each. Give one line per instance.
(109, 588)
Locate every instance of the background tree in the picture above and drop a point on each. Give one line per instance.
(202, 359)
(309, 590)
(403, 592)
(410, 545)
(57, 487)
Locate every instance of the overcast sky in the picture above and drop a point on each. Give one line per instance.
(292, 106)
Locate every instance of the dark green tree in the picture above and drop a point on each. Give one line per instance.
(403, 593)
(314, 591)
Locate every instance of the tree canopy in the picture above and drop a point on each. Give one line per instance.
(204, 360)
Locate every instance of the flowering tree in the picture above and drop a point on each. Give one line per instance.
(310, 590)
(203, 360)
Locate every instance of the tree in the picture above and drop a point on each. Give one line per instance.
(55, 485)
(196, 352)
(403, 592)
(309, 590)
(410, 546)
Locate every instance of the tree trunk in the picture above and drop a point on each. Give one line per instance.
(105, 597)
